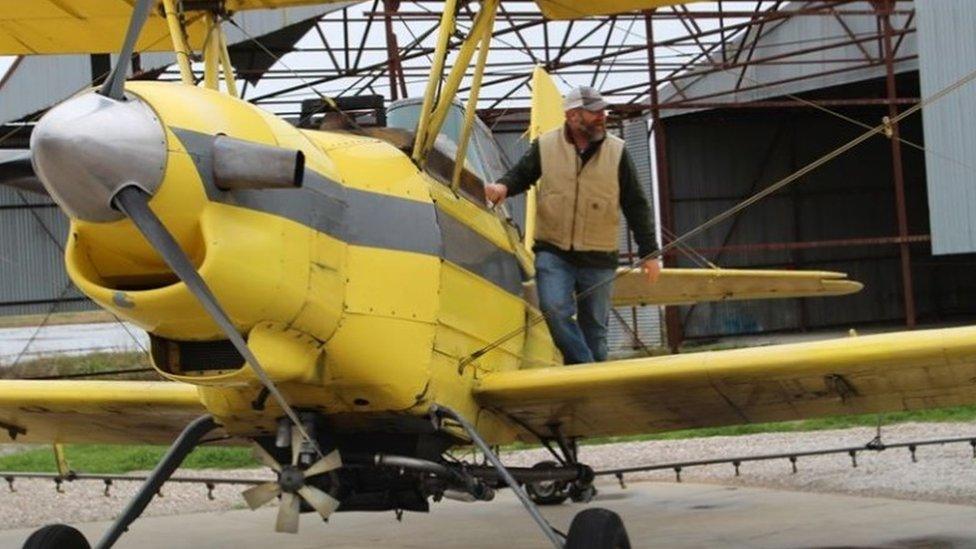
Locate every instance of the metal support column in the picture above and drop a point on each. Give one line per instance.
(671, 319)
(884, 8)
(392, 53)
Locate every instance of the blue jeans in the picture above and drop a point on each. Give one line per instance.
(584, 338)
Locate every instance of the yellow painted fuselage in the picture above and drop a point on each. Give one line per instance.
(360, 293)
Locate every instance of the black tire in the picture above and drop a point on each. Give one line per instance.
(549, 492)
(597, 529)
(56, 536)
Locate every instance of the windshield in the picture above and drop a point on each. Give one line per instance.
(483, 156)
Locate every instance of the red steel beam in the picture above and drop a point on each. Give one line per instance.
(672, 321)
(884, 8)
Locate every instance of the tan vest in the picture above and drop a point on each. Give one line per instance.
(578, 206)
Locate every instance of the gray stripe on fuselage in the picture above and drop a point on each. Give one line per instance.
(364, 218)
(473, 252)
(353, 216)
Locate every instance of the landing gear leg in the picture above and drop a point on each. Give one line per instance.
(186, 442)
(445, 412)
(555, 493)
(54, 536)
(183, 445)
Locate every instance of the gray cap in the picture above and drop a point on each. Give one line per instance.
(584, 97)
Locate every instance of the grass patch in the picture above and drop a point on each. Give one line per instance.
(957, 414)
(85, 364)
(56, 319)
(115, 459)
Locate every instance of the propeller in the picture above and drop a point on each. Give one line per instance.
(291, 486)
(113, 84)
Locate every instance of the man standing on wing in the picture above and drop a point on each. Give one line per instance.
(585, 178)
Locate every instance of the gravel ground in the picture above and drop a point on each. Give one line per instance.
(943, 473)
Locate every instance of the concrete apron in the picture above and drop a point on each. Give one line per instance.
(656, 515)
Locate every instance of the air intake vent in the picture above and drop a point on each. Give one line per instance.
(182, 357)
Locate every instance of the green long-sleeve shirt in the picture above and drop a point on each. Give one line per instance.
(633, 202)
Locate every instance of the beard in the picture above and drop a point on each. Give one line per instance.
(596, 132)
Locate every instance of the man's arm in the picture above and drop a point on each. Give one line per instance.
(519, 178)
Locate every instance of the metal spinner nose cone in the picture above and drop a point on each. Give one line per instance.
(87, 148)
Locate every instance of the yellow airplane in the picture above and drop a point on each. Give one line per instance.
(346, 303)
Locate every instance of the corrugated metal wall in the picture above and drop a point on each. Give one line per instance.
(947, 52)
(32, 275)
(719, 158)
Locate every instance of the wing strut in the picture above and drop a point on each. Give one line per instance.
(439, 95)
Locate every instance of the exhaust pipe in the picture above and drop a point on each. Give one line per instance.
(239, 164)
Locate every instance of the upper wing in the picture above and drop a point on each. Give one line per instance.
(150, 412)
(681, 286)
(98, 26)
(855, 375)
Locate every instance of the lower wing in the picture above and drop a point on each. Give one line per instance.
(854, 375)
(147, 412)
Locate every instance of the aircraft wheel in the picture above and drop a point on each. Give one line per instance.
(56, 536)
(597, 528)
(549, 492)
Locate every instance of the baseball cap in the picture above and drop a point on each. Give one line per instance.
(584, 97)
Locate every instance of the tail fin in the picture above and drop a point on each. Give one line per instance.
(547, 114)
(547, 104)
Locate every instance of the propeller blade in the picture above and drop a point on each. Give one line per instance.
(330, 462)
(135, 204)
(257, 496)
(264, 457)
(319, 500)
(17, 171)
(113, 84)
(288, 511)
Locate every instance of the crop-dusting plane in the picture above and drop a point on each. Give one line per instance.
(346, 303)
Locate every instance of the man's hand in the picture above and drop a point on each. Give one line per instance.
(652, 269)
(496, 193)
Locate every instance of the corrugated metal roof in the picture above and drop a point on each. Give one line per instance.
(947, 52)
(795, 34)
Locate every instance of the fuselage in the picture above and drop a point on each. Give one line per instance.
(360, 293)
